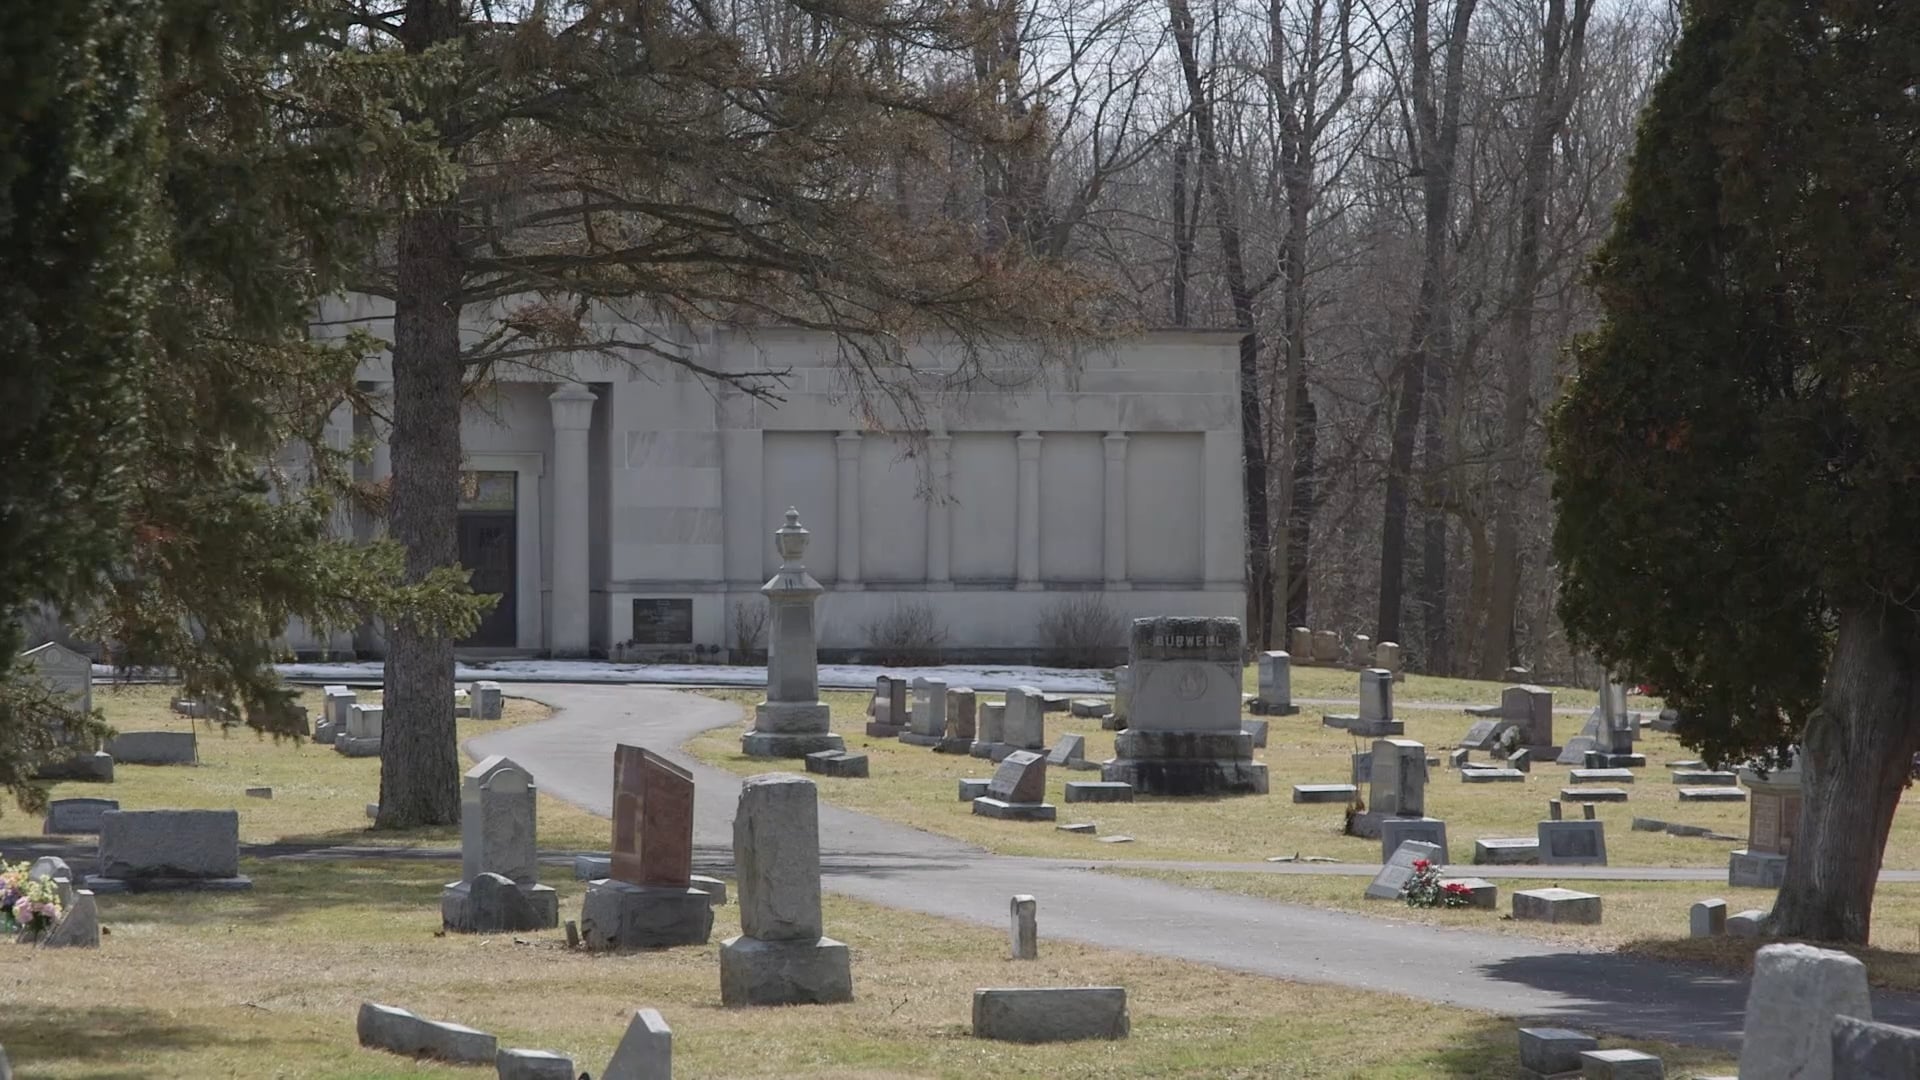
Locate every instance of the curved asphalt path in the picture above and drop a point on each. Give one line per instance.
(571, 755)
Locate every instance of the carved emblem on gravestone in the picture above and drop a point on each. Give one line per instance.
(1192, 683)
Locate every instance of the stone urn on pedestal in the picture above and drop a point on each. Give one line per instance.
(792, 722)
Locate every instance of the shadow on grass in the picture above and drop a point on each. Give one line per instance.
(286, 890)
(1887, 969)
(107, 1041)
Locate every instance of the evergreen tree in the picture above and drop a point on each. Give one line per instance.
(1737, 456)
(168, 213)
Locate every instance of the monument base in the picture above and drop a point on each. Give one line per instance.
(986, 806)
(884, 731)
(1756, 870)
(915, 739)
(1601, 759)
(756, 972)
(490, 904)
(981, 749)
(953, 746)
(352, 747)
(619, 915)
(1113, 722)
(94, 767)
(776, 744)
(791, 717)
(1187, 776)
(1268, 708)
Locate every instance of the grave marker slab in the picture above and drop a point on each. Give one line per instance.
(1707, 918)
(793, 722)
(154, 748)
(1506, 851)
(1796, 993)
(1023, 933)
(840, 763)
(990, 729)
(1044, 1015)
(1573, 843)
(1275, 681)
(1553, 1050)
(1556, 906)
(77, 816)
(1391, 882)
(1395, 831)
(1324, 793)
(143, 850)
(1098, 791)
(782, 958)
(1864, 1050)
(645, 1051)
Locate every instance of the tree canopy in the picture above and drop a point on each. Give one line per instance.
(1737, 452)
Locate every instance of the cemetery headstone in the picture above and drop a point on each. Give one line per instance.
(1023, 931)
(522, 1064)
(1018, 790)
(1573, 843)
(1256, 728)
(1549, 1051)
(79, 925)
(1122, 699)
(841, 763)
(1386, 657)
(1275, 696)
(499, 888)
(1183, 736)
(928, 725)
(793, 722)
(361, 736)
(645, 1051)
(77, 816)
(781, 957)
(1089, 708)
(1069, 753)
(1391, 882)
(957, 738)
(154, 748)
(989, 729)
(1795, 994)
(1050, 1014)
(882, 721)
(1326, 647)
(648, 900)
(68, 675)
(1395, 831)
(1375, 717)
(1360, 654)
(1556, 906)
(1708, 918)
(486, 700)
(1865, 1050)
(153, 850)
(1024, 725)
(1773, 821)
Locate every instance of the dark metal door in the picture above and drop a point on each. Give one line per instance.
(487, 549)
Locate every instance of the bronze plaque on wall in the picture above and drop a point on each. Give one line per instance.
(663, 622)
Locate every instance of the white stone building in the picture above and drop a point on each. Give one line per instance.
(628, 508)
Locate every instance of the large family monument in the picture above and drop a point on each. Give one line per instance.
(793, 722)
(1183, 733)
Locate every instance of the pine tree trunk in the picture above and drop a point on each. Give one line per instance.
(1856, 758)
(419, 751)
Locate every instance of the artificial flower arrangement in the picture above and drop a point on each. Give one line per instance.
(27, 907)
(1425, 889)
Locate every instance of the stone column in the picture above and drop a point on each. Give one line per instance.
(1114, 512)
(1027, 515)
(1224, 565)
(792, 722)
(846, 447)
(572, 416)
(939, 525)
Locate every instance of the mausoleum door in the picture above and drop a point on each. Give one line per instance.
(488, 526)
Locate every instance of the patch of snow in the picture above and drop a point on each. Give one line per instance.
(834, 676)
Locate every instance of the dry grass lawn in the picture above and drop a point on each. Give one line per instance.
(913, 785)
(1647, 917)
(318, 795)
(266, 984)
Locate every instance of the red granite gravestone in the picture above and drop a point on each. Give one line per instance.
(652, 819)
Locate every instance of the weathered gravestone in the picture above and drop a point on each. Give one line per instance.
(1326, 647)
(1023, 927)
(841, 763)
(1556, 906)
(1050, 1014)
(1485, 734)
(1864, 1050)
(1395, 831)
(1122, 700)
(499, 888)
(1573, 843)
(792, 722)
(988, 729)
(1773, 821)
(962, 706)
(1397, 788)
(882, 721)
(361, 736)
(1386, 657)
(648, 900)
(781, 958)
(383, 1027)
(1796, 993)
(153, 850)
(68, 676)
(1707, 918)
(522, 1064)
(1183, 735)
(1070, 752)
(1391, 882)
(487, 701)
(1023, 725)
(928, 725)
(1375, 717)
(1018, 790)
(1276, 686)
(76, 816)
(154, 748)
(645, 1051)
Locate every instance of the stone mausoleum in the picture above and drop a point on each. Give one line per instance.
(624, 506)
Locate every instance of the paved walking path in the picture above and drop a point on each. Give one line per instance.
(571, 755)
